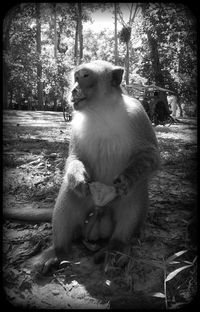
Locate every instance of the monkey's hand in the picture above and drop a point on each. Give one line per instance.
(141, 167)
(101, 193)
(122, 184)
(78, 178)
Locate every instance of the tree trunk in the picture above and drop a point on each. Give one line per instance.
(127, 63)
(5, 85)
(55, 33)
(78, 53)
(6, 27)
(76, 45)
(39, 65)
(179, 105)
(55, 103)
(116, 46)
(156, 67)
(55, 56)
(80, 32)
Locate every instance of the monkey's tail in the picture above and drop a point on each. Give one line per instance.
(27, 214)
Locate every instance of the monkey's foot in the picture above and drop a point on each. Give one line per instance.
(115, 255)
(100, 255)
(42, 263)
(111, 259)
(114, 260)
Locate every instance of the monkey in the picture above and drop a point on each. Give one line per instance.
(112, 142)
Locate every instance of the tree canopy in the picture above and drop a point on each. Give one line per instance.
(43, 42)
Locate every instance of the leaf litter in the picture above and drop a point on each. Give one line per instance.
(33, 168)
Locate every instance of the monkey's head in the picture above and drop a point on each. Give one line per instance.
(94, 81)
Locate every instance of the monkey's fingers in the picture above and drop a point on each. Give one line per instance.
(101, 193)
(40, 268)
(82, 190)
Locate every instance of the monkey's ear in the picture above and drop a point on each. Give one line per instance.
(117, 74)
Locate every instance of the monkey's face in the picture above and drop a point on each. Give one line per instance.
(93, 81)
(85, 84)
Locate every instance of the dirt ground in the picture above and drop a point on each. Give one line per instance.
(35, 146)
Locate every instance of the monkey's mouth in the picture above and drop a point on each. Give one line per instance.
(76, 102)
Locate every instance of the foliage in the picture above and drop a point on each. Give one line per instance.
(164, 265)
(172, 25)
(125, 34)
(174, 28)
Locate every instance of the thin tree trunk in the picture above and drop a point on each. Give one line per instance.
(179, 106)
(127, 63)
(179, 52)
(55, 33)
(76, 45)
(6, 28)
(156, 67)
(78, 53)
(55, 56)
(55, 103)
(39, 65)
(116, 43)
(5, 85)
(80, 31)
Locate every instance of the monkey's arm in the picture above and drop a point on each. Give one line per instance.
(76, 174)
(142, 165)
(145, 157)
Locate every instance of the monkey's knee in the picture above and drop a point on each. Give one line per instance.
(68, 219)
(98, 226)
(105, 226)
(91, 227)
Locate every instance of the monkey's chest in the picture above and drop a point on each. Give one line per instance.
(105, 155)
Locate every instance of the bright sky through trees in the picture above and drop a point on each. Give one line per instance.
(102, 20)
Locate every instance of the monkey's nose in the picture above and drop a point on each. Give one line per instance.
(77, 93)
(74, 92)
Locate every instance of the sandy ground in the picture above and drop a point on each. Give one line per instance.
(35, 146)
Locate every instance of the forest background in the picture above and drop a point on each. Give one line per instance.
(42, 42)
(156, 43)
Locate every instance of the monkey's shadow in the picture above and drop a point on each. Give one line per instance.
(82, 278)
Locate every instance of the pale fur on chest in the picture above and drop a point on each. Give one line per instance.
(104, 140)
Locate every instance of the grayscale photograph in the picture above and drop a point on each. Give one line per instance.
(99, 155)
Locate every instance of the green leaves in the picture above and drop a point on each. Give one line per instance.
(171, 275)
(174, 28)
(174, 273)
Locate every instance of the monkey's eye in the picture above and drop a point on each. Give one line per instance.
(85, 75)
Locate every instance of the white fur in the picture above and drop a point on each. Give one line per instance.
(104, 140)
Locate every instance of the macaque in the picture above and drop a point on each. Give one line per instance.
(112, 142)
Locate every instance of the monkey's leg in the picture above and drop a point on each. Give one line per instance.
(129, 214)
(100, 227)
(68, 217)
(42, 262)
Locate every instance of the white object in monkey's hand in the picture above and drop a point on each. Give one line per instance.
(101, 193)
